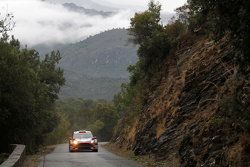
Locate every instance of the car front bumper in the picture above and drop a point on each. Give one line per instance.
(84, 146)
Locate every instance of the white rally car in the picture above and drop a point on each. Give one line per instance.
(83, 140)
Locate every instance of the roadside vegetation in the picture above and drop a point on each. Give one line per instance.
(28, 90)
(160, 49)
(30, 112)
(157, 42)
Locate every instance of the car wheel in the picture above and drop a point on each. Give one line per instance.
(96, 150)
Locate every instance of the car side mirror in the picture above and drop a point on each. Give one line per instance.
(93, 138)
(70, 138)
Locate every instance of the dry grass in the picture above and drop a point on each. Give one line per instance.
(237, 153)
(33, 160)
(132, 131)
(160, 129)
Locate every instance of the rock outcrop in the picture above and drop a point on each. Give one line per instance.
(181, 124)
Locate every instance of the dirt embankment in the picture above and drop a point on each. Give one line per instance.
(180, 124)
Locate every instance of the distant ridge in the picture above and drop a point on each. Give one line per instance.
(92, 12)
(89, 4)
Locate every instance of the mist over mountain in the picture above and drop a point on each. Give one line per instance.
(69, 21)
(92, 12)
(60, 24)
(44, 49)
(89, 4)
(100, 60)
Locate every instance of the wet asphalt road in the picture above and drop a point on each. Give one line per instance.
(61, 157)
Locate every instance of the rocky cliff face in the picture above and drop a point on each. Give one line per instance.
(182, 124)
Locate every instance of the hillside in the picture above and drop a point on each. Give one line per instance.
(188, 100)
(183, 121)
(107, 54)
(83, 86)
(95, 67)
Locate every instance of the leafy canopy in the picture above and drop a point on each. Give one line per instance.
(28, 90)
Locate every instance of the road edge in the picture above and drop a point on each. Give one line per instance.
(144, 160)
(34, 159)
(16, 157)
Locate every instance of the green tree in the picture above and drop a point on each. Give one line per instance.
(98, 116)
(28, 90)
(148, 33)
(143, 25)
(61, 132)
(155, 43)
(225, 17)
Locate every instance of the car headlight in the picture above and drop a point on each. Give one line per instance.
(75, 142)
(94, 141)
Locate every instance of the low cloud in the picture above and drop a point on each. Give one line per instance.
(39, 22)
(42, 22)
(168, 6)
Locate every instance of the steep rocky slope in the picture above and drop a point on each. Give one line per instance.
(182, 123)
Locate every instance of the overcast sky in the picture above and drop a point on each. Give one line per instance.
(167, 5)
(42, 22)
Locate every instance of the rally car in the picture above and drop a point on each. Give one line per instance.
(83, 140)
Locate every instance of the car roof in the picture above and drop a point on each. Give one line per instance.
(82, 131)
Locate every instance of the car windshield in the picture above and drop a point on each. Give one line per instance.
(82, 135)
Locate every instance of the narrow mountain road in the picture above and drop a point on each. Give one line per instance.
(61, 157)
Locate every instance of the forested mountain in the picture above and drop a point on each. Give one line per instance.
(104, 55)
(80, 85)
(95, 67)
